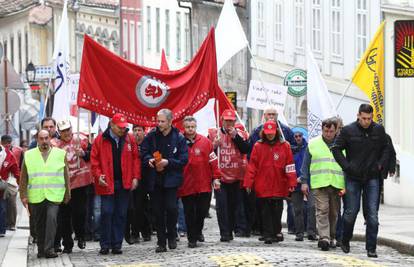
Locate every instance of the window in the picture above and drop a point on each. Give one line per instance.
(5, 48)
(299, 24)
(149, 28)
(125, 52)
(195, 37)
(26, 47)
(178, 35)
(132, 41)
(19, 51)
(12, 49)
(167, 32)
(260, 21)
(187, 38)
(336, 28)
(361, 32)
(278, 15)
(316, 26)
(157, 30)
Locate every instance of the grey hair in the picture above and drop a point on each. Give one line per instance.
(166, 112)
(189, 119)
(270, 108)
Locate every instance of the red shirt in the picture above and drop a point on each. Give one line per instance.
(201, 168)
(8, 166)
(271, 170)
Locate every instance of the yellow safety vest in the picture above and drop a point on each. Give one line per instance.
(45, 179)
(324, 170)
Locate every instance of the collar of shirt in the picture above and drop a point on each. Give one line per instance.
(114, 136)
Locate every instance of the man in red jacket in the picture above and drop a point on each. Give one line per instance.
(116, 169)
(195, 192)
(271, 171)
(8, 165)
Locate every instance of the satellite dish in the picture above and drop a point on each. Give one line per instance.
(13, 102)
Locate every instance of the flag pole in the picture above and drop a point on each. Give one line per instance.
(78, 143)
(343, 95)
(261, 81)
(218, 131)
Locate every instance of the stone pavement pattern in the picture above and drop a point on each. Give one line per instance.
(240, 252)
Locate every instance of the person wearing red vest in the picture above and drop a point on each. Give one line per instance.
(271, 173)
(231, 149)
(199, 172)
(74, 212)
(116, 168)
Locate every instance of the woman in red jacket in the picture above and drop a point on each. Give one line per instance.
(271, 173)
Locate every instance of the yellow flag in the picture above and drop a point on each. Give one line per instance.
(369, 74)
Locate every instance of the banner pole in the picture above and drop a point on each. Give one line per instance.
(218, 131)
(343, 95)
(78, 143)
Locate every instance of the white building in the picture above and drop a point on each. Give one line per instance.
(166, 26)
(399, 109)
(338, 33)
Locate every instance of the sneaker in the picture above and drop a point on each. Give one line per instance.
(160, 249)
(372, 254)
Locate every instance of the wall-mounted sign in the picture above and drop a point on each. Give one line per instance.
(295, 80)
(404, 48)
(232, 97)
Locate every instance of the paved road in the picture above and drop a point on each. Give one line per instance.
(240, 252)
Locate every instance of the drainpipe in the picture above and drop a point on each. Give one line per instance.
(191, 23)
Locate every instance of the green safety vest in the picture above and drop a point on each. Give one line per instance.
(324, 169)
(45, 179)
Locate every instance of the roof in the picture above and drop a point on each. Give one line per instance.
(8, 7)
(40, 15)
(111, 4)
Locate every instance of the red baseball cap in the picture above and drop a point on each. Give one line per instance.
(270, 127)
(120, 120)
(229, 114)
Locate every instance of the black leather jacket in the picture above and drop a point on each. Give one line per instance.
(366, 151)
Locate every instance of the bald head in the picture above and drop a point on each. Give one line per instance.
(270, 113)
(43, 140)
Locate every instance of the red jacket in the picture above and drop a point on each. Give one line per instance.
(201, 168)
(9, 165)
(102, 163)
(271, 170)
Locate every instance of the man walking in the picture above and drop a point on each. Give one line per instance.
(326, 182)
(164, 154)
(116, 170)
(44, 184)
(365, 144)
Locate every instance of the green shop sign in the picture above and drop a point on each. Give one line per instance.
(295, 80)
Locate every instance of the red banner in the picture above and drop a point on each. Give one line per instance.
(109, 84)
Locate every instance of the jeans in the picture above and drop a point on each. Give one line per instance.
(370, 191)
(96, 217)
(3, 214)
(290, 217)
(182, 227)
(165, 209)
(113, 217)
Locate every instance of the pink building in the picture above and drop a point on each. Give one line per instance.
(131, 30)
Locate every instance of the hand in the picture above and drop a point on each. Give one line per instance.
(134, 184)
(248, 190)
(216, 184)
(216, 141)
(25, 201)
(291, 188)
(161, 165)
(66, 199)
(342, 192)
(151, 163)
(305, 189)
(102, 181)
(232, 131)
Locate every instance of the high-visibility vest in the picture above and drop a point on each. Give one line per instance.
(45, 179)
(324, 170)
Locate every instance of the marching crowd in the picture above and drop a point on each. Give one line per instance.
(125, 184)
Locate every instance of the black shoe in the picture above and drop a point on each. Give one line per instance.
(345, 247)
(299, 237)
(279, 237)
(312, 238)
(291, 232)
(51, 255)
(104, 251)
(34, 241)
(67, 250)
(372, 254)
(332, 244)
(261, 238)
(147, 238)
(58, 250)
(200, 238)
(160, 249)
(129, 240)
(40, 255)
(116, 251)
(172, 244)
(338, 243)
(225, 239)
(324, 245)
(192, 244)
(81, 243)
(268, 241)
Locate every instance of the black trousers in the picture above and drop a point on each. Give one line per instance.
(272, 209)
(138, 217)
(226, 207)
(165, 209)
(195, 210)
(72, 217)
(45, 215)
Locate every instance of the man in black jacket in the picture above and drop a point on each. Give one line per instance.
(365, 144)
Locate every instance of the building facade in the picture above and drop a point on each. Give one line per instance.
(131, 31)
(337, 32)
(399, 95)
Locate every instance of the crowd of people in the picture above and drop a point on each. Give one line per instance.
(126, 185)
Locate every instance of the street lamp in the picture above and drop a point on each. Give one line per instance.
(30, 72)
(75, 6)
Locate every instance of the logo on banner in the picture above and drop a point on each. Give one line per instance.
(151, 92)
(404, 48)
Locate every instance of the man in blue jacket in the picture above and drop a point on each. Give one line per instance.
(164, 154)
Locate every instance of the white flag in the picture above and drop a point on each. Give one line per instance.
(229, 34)
(320, 105)
(61, 104)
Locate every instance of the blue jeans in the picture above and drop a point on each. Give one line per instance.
(3, 213)
(182, 227)
(113, 217)
(96, 216)
(370, 191)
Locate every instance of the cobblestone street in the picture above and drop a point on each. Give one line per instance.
(239, 252)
